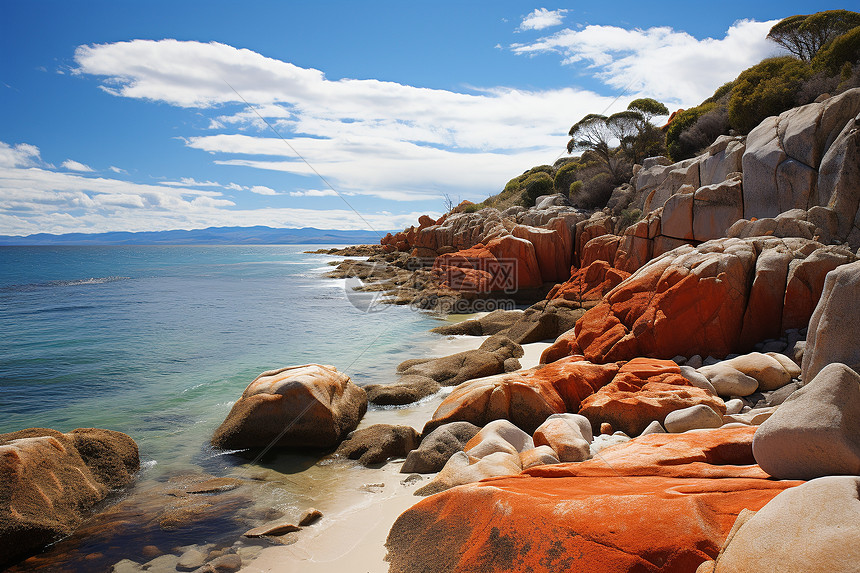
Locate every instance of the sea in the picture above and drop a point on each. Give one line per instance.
(159, 341)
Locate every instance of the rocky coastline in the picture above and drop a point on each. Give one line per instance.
(674, 393)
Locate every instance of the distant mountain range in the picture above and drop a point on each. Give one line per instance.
(211, 236)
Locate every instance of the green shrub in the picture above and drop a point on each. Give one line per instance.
(564, 177)
(683, 121)
(537, 184)
(842, 50)
(471, 208)
(768, 88)
(721, 92)
(628, 217)
(594, 192)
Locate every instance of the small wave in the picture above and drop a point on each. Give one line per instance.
(66, 283)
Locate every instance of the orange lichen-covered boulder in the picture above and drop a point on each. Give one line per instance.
(713, 299)
(503, 264)
(527, 397)
(318, 405)
(505, 396)
(666, 505)
(589, 283)
(553, 249)
(645, 390)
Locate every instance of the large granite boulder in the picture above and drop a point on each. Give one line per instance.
(569, 436)
(813, 528)
(50, 481)
(806, 156)
(816, 431)
(664, 502)
(310, 406)
(695, 300)
(832, 328)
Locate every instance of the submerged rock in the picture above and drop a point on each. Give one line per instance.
(50, 480)
(310, 406)
(406, 390)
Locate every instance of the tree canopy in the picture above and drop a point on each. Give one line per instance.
(804, 35)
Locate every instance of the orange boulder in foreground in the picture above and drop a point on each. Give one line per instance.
(666, 505)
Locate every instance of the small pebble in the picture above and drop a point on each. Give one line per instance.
(310, 516)
(606, 428)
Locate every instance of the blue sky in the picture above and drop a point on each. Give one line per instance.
(123, 116)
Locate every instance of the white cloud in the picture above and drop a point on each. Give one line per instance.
(263, 190)
(542, 18)
(365, 136)
(191, 182)
(21, 155)
(116, 169)
(660, 62)
(315, 193)
(37, 199)
(73, 165)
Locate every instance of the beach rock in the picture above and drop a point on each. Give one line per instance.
(729, 381)
(509, 396)
(589, 283)
(406, 390)
(498, 436)
(569, 435)
(831, 337)
(816, 431)
(463, 469)
(692, 418)
(604, 441)
(734, 406)
(225, 563)
(766, 370)
(49, 481)
(697, 379)
(526, 398)
(457, 368)
(812, 528)
(310, 516)
(438, 446)
(275, 528)
(379, 442)
(319, 405)
(653, 428)
(667, 499)
(191, 560)
(538, 456)
(492, 323)
(644, 390)
(507, 263)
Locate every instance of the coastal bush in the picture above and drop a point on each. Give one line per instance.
(565, 177)
(627, 218)
(594, 192)
(537, 184)
(843, 49)
(768, 88)
(677, 149)
(804, 35)
(721, 94)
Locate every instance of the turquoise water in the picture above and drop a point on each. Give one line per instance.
(158, 342)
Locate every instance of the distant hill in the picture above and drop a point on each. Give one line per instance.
(211, 236)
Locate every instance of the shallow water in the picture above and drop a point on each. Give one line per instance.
(158, 342)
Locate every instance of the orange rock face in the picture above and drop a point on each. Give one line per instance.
(644, 390)
(503, 264)
(713, 299)
(589, 283)
(589, 517)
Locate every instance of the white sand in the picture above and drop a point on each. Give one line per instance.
(357, 511)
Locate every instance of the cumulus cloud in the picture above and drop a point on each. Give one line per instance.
(660, 62)
(191, 182)
(314, 193)
(36, 198)
(262, 190)
(73, 165)
(364, 136)
(542, 18)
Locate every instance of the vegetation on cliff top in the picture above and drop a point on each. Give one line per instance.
(825, 59)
